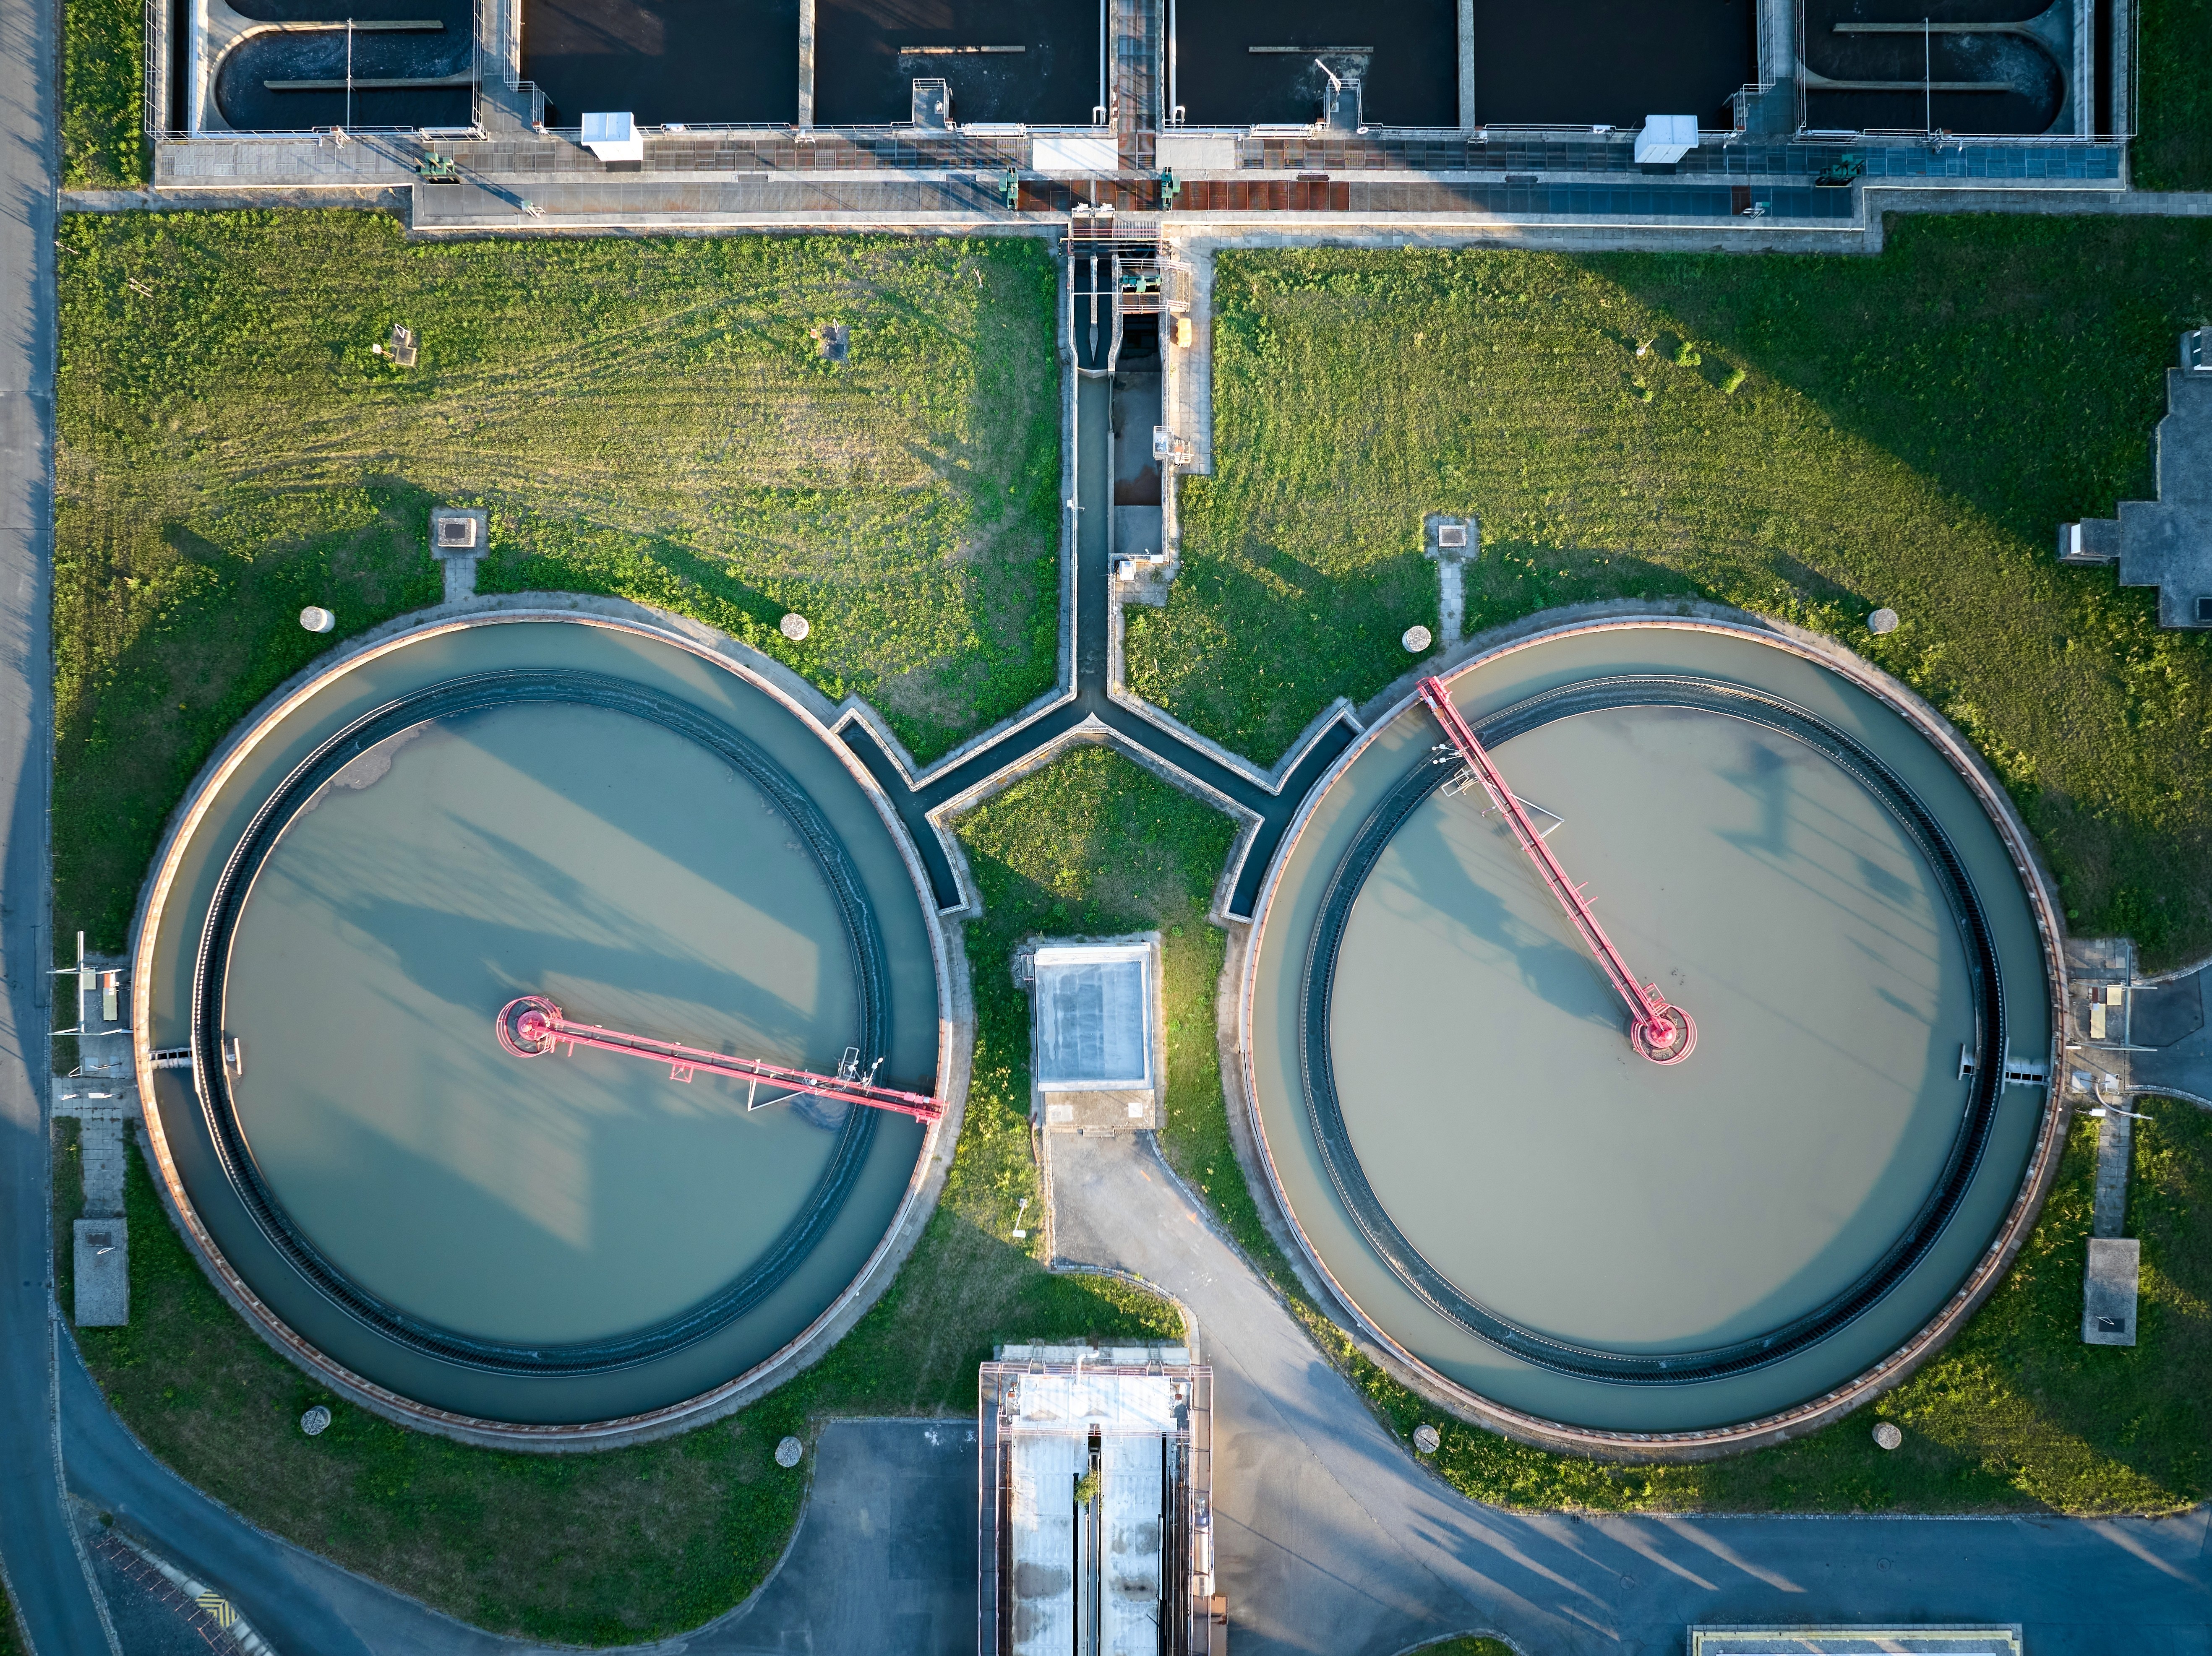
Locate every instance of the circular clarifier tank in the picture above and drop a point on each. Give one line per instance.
(649, 836)
(1500, 1186)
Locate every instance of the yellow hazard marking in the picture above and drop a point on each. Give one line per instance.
(219, 1607)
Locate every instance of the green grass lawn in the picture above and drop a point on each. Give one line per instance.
(644, 418)
(103, 95)
(1807, 437)
(1907, 430)
(2173, 114)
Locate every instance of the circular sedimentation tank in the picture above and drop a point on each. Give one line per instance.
(649, 830)
(1545, 1227)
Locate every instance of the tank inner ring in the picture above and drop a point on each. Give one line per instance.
(864, 953)
(1961, 1162)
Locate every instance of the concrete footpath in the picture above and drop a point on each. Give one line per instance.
(1333, 1538)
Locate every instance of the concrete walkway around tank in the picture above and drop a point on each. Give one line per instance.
(1333, 1539)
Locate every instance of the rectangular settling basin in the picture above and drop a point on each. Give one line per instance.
(1574, 62)
(1241, 64)
(694, 61)
(1042, 68)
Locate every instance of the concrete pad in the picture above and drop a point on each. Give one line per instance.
(102, 1150)
(2108, 1307)
(460, 561)
(103, 1273)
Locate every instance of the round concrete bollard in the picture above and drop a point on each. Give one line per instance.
(316, 1421)
(1416, 639)
(788, 1452)
(1883, 620)
(1426, 1438)
(1887, 1436)
(316, 619)
(795, 627)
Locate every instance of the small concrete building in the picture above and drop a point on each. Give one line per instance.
(1096, 1468)
(1098, 1056)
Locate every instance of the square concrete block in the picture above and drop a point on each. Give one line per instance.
(103, 1273)
(458, 537)
(2108, 1303)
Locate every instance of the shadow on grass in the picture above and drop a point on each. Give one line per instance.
(166, 644)
(2017, 362)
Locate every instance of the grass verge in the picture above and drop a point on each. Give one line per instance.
(602, 1548)
(1806, 437)
(2173, 115)
(103, 95)
(647, 419)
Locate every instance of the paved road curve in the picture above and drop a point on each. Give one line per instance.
(45, 1576)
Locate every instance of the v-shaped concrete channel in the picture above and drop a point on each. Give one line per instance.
(1090, 703)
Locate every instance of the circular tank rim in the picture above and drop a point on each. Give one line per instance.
(1988, 1269)
(955, 1022)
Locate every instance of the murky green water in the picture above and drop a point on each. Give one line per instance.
(566, 851)
(1574, 1187)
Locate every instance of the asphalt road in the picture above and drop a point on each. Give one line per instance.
(46, 1575)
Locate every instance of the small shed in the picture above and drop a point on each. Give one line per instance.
(1665, 139)
(1097, 1055)
(614, 138)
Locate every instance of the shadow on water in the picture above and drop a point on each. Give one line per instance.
(1425, 864)
(450, 952)
(669, 833)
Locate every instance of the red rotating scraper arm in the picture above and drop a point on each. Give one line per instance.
(533, 1027)
(1661, 1031)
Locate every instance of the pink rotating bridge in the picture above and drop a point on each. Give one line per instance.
(1661, 1032)
(533, 1027)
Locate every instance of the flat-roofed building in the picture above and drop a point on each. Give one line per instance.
(1095, 1471)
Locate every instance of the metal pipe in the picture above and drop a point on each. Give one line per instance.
(1661, 1031)
(533, 1027)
